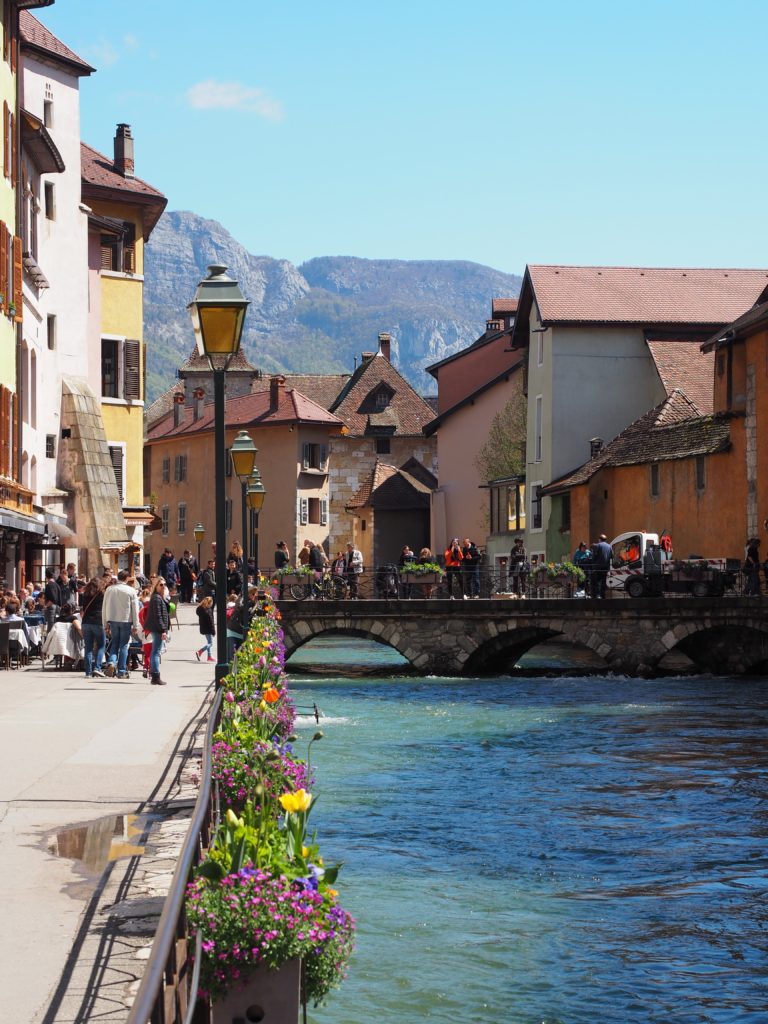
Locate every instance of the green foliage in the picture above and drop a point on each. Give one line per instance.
(422, 568)
(503, 453)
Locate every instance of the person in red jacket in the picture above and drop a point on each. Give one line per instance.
(453, 560)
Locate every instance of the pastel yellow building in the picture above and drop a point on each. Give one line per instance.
(124, 211)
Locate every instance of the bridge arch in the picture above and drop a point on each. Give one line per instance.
(498, 653)
(303, 631)
(725, 648)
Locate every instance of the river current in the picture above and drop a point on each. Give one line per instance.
(560, 850)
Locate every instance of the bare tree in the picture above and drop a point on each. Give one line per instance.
(503, 453)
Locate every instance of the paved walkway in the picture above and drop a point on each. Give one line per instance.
(97, 779)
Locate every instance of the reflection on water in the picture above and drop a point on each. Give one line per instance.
(547, 849)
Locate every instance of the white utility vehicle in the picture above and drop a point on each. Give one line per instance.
(700, 577)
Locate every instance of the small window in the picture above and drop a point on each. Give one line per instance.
(48, 113)
(166, 470)
(180, 468)
(110, 367)
(314, 456)
(51, 327)
(50, 446)
(165, 519)
(701, 480)
(313, 509)
(383, 446)
(539, 417)
(655, 485)
(540, 348)
(182, 528)
(536, 514)
(382, 399)
(50, 200)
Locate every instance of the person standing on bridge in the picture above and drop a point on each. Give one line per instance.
(601, 563)
(353, 564)
(453, 560)
(519, 567)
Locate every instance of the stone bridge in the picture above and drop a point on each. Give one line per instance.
(725, 636)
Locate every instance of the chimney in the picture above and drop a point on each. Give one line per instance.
(385, 346)
(124, 151)
(178, 408)
(198, 399)
(276, 391)
(595, 446)
(366, 357)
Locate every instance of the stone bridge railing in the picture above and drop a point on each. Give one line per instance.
(724, 636)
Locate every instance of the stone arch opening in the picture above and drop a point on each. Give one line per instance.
(726, 650)
(363, 654)
(504, 652)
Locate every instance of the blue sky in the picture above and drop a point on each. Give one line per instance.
(499, 132)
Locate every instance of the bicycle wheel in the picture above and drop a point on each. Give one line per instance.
(300, 591)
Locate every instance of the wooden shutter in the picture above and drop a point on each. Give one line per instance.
(324, 458)
(166, 471)
(14, 151)
(12, 43)
(323, 511)
(14, 435)
(129, 259)
(132, 369)
(106, 257)
(6, 140)
(3, 431)
(306, 456)
(116, 457)
(6, 299)
(18, 277)
(304, 517)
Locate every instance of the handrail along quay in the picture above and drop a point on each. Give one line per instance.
(168, 990)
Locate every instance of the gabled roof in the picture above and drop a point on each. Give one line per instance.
(484, 339)
(409, 408)
(503, 307)
(635, 295)
(682, 365)
(35, 36)
(199, 364)
(387, 487)
(323, 388)
(673, 430)
(102, 180)
(247, 410)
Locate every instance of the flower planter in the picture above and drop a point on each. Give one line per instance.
(421, 577)
(564, 583)
(272, 997)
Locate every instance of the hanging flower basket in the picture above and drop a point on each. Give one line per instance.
(268, 995)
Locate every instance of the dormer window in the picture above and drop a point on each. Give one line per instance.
(382, 399)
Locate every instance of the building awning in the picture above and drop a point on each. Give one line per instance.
(138, 518)
(37, 142)
(18, 521)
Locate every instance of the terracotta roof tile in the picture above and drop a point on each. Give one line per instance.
(503, 307)
(673, 430)
(248, 410)
(644, 295)
(35, 35)
(354, 405)
(682, 364)
(100, 178)
(387, 487)
(196, 362)
(323, 388)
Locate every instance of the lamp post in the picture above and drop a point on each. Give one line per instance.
(255, 495)
(243, 455)
(218, 312)
(199, 532)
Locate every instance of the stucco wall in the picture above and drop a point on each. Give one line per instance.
(471, 370)
(8, 215)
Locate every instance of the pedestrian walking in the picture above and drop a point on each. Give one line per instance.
(168, 568)
(188, 571)
(94, 635)
(207, 627)
(157, 622)
(120, 615)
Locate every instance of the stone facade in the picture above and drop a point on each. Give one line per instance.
(352, 460)
(725, 636)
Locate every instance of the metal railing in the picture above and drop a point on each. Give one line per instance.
(168, 990)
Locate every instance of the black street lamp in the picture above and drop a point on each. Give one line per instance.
(243, 454)
(218, 313)
(255, 495)
(199, 532)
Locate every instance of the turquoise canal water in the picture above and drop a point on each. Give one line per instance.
(545, 850)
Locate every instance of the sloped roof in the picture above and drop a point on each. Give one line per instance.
(503, 307)
(681, 364)
(323, 388)
(102, 180)
(753, 320)
(469, 399)
(407, 405)
(35, 36)
(247, 410)
(199, 364)
(161, 406)
(387, 487)
(673, 430)
(485, 338)
(636, 295)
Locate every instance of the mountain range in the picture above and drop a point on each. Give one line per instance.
(319, 316)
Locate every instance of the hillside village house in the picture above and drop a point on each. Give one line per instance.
(604, 345)
(473, 386)
(292, 434)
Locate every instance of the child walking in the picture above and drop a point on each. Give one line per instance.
(207, 627)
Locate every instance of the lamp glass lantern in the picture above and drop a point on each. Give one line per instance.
(255, 492)
(199, 532)
(218, 313)
(243, 453)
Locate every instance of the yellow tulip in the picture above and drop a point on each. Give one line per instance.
(296, 802)
(233, 820)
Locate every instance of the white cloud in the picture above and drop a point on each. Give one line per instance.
(102, 54)
(130, 42)
(212, 95)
